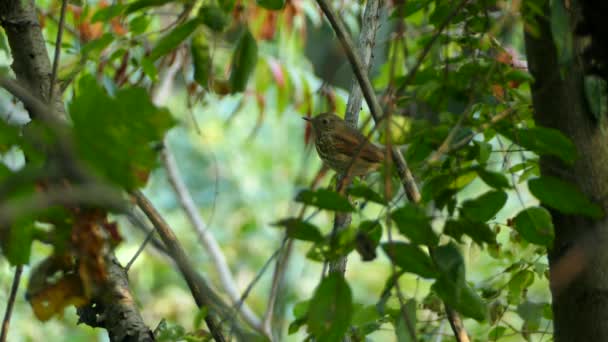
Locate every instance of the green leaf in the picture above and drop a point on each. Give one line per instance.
(17, 245)
(119, 144)
(402, 328)
(301, 230)
(331, 309)
(596, 95)
(107, 13)
(324, 199)
(518, 284)
(367, 239)
(438, 184)
(478, 231)
(201, 60)
(410, 258)
(97, 45)
(271, 4)
(409, 8)
(546, 141)
(484, 207)
(141, 4)
(535, 225)
(563, 196)
(414, 224)
(213, 17)
(449, 262)
(451, 285)
(531, 313)
(226, 5)
(483, 151)
(243, 62)
(173, 39)
(366, 192)
(149, 69)
(496, 180)
(9, 136)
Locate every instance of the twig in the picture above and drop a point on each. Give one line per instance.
(406, 176)
(207, 240)
(447, 148)
(139, 250)
(429, 45)
(11, 302)
(61, 24)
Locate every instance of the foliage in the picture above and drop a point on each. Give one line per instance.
(244, 73)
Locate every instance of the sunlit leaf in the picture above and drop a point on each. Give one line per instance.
(173, 39)
(201, 60)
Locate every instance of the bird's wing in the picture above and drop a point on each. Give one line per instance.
(349, 144)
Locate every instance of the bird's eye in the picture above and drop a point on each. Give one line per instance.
(325, 121)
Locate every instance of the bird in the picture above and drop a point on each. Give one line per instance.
(337, 143)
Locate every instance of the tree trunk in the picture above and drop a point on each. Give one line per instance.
(579, 259)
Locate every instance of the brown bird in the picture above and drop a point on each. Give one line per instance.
(337, 144)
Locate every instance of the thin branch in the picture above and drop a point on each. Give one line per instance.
(207, 240)
(203, 294)
(161, 94)
(56, 59)
(410, 76)
(367, 39)
(446, 147)
(11, 302)
(406, 176)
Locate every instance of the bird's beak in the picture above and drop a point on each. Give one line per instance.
(306, 118)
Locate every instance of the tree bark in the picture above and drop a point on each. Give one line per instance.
(579, 259)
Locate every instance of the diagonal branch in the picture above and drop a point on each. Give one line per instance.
(406, 176)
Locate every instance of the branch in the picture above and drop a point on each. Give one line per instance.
(161, 94)
(31, 63)
(367, 39)
(208, 241)
(406, 176)
(114, 308)
(203, 294)
(61, 24)
(429, 45)
(11, 302)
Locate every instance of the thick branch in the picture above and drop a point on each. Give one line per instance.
(114, 308)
